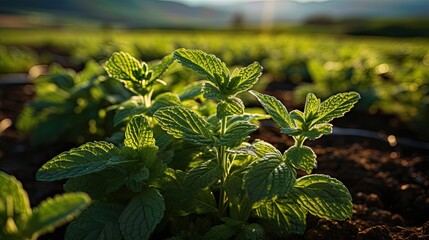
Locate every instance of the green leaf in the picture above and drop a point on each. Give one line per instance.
(275, 109)
(230, 106)
(302, 158)
(221, 232)
(244, 149)
(99, 221)
(184, 123)
(270, 177)
(122, 65)
(244, 78)
(311, 107)
(203, 175)
(262, 148)
(139, 137)
(239, 206)
(136, 180)
(135, 76)
(165, 100)
(336, 106)
(298, 117)
(252, 231)
(127, 109)
(180, 200)
(138, 133)
(98, 184)
(88, 158)
(55, 212)
(236, 132)
(318, 130)
(257, 149)
(12, 188)
(283, 216)
(206, 64)
(192, 90)
(212, 92)
(160, 67)
(143, 213)
(323, 196)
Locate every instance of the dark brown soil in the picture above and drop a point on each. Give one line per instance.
(389, 183)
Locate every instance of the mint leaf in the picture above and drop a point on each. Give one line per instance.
(236, 131)
(99, 221)
(139, 137)
(123, 66)
(135, 76)
(323, 196)
(270, 177)
(12, 188)
(55, 212)
(230, 106)
(165, 100)
(275, 109)
(318, 130)
(98, 184)
(243, 79)
(262, 148)
(252, 231)
(210, 91)
(283, 216)
(311, 107)
(138, 133)
(203, 175)
(192, 90)
(182, 201)
(88, 158)
(129, 108)
(184, 123)
(239, 207)
(302, 158)
(143, 213)
(221, 232)
(336, 106)
(160, 67)
(205, 64)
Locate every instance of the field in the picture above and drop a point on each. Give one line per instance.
(379, 150)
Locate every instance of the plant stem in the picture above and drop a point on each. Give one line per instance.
(147, 99)
(299, 141)
(223, 162)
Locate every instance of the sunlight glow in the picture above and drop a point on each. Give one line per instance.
(229, 2)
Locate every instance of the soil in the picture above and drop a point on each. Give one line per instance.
(388, 182)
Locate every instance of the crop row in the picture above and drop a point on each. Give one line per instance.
(391, 74)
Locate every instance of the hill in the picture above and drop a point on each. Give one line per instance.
(172, 14)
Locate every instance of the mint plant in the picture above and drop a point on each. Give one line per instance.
(19, 221)
(182, 174)
(71, 106)
(317, 194)
(256, 180)
(118, 179)
(139, 78)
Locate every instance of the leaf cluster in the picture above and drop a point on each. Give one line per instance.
(19, 221)
(71, 106)
(181, 165)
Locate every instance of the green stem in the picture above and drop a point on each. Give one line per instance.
(147, 99)
(299, 141)
(223, 162)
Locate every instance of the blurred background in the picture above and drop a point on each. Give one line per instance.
(399, 18)
(376, 47)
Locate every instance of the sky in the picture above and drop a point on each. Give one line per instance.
(226, 2)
